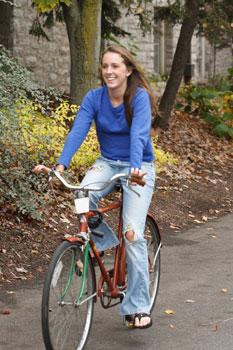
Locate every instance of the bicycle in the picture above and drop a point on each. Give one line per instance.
(70, 288)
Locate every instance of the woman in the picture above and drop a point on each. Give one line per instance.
(122, 110)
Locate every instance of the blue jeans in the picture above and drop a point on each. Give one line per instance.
(134, 214)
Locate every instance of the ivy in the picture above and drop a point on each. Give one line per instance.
(44, 6)
(19, 188)
(214, 106)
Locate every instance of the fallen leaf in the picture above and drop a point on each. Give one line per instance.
(34, 252)
(21, 278)
(212, 181)
(197, 221)
(169, 312)
(175, 227)
(40, 269)
(224, 290)
(6, 312)
(63, 218)
(21, 269)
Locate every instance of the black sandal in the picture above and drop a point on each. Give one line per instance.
(128, 321)
(140, 316)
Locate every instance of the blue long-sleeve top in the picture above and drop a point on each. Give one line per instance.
(117, 140)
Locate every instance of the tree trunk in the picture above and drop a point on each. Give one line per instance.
(179, 61)
(83, 22)
(214, 65)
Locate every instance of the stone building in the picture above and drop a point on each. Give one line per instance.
(156, 50)
(49, 60)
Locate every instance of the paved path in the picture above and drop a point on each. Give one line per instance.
(197, 265)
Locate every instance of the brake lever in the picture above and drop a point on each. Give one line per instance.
(51, 175)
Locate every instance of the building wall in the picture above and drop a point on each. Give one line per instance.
(49, 60)
(143, 46)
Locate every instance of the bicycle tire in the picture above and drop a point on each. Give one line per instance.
(152, 236)
(64, 324)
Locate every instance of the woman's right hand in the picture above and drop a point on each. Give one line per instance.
(40, 168)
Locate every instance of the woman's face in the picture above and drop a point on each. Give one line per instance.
(114, 71)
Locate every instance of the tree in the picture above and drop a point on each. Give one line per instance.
(85, 26)
(195, 14)
(179, 61)
(83, 23)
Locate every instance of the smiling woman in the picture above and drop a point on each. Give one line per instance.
(115, 74)
(122, 110)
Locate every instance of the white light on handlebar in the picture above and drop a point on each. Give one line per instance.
(82, 205)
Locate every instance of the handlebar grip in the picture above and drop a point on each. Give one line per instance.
(137, 179)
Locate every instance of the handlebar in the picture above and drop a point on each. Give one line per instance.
(129, 177)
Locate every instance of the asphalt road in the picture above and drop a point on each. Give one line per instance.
(196, 284)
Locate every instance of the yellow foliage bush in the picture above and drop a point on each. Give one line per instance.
(45, 136)
(163, 158)
(227, 100)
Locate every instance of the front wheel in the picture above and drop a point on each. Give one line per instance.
(68, 299)
(153, 247)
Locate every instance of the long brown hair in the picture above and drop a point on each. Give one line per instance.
(136, 79)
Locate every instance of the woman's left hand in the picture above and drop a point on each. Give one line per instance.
(136, 172)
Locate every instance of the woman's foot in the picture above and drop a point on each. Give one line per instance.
(139, 320)
(142, 321)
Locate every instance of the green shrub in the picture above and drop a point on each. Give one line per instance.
(215, 107)
(19, 188)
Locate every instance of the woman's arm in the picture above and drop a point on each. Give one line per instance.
(140, 128)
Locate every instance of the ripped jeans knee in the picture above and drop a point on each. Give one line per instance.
(130, 234)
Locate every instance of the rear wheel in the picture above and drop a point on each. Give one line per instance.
(153, 246)
(66, 317)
